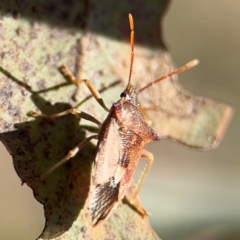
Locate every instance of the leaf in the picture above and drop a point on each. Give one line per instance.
(31, 53)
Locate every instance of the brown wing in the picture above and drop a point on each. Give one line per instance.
(107, 152)
(103, 191)
(106, 195)
(104, 198)
(130, 155)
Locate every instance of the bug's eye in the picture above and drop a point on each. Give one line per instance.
(123, 95)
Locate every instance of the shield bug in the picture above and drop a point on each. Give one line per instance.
(121, 141)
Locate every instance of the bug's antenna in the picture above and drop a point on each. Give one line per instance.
(131, 23)
(187, 66)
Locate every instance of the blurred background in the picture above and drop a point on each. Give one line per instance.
(191, 194)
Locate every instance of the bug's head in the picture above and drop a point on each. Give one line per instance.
(130, 95)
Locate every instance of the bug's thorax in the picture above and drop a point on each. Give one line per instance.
(128, 114)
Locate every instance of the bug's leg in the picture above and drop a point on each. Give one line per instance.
(133, 199)
(77, 113)
(70, 154)
(146, 154)
(70, 77)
